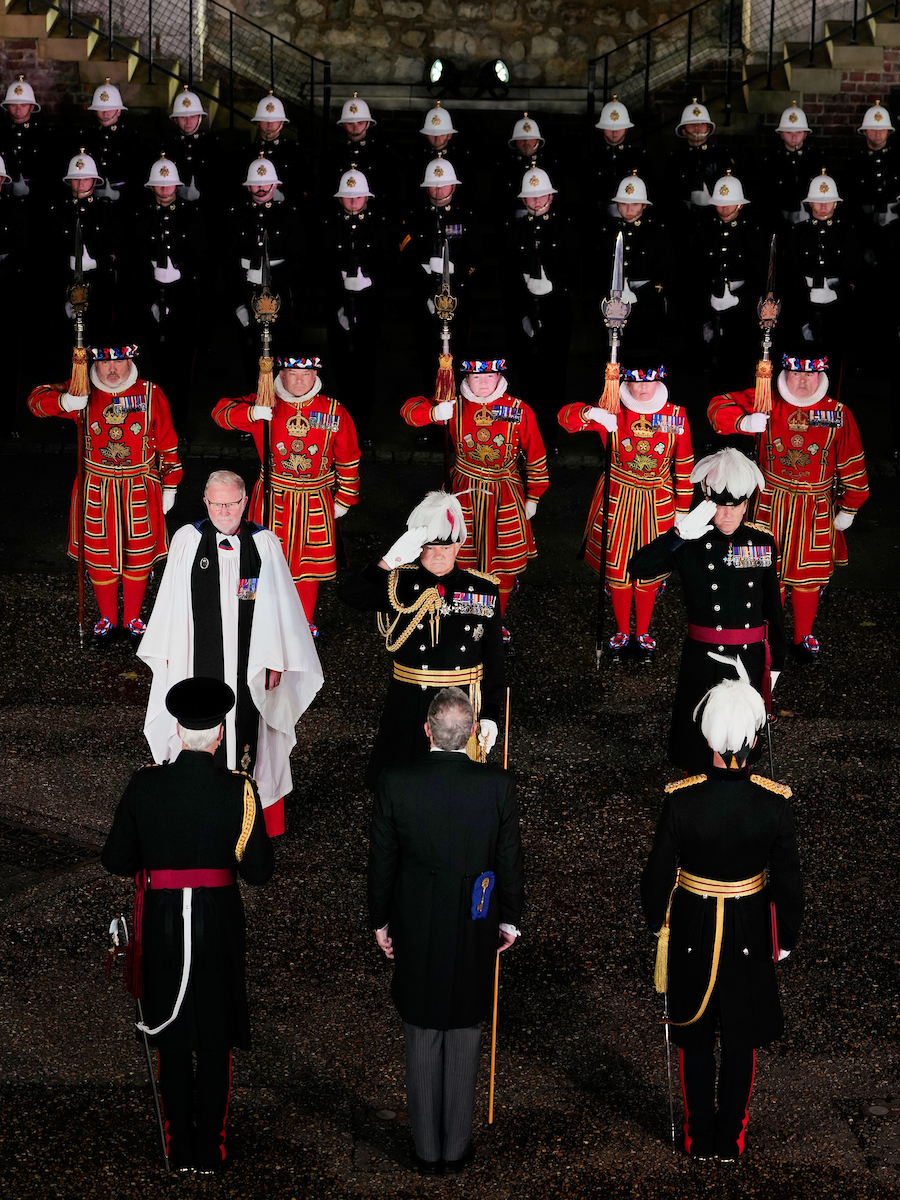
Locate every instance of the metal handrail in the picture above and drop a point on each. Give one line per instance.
(687, 52)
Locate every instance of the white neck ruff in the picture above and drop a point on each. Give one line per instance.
(498, 391)
(808, 401)
(283, 394)
(644, 406)
(128, 382)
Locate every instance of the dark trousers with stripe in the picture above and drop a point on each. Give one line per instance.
(195, 1105)
(715, 1118)
(441, 1068)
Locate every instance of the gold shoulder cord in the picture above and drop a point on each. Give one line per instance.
(247, 825)
(683, 783)
(771, 786)
(429, 602)
(483, 575)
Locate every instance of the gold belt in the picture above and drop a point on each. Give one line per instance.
(789, 485)
(642, 481)
(439, 679)
(722, 890)
(124, 472)
(501, 472)
(302, 484)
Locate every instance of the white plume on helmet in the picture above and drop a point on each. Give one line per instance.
(731, 712)
(728, 471)
(441, 514)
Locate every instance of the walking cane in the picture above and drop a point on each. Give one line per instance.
(497, 956)
(119, 933)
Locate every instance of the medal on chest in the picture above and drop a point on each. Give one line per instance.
(744, 557)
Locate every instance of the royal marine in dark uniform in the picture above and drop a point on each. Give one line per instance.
(729, 572)
(615, 156)
(114, 147)
(723, 886)
(441, 625)
(187, 829)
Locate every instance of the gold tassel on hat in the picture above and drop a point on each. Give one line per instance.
(78, 384)
(265, 387)
(609, 401)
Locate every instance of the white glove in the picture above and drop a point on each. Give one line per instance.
(407, 548)
(436, 265)
(260, 412)
(243, 315)
(695, 523)
(343, 320)
(753, 423)
(73, 403)
(700, 197)
(87, 262)
(600, 416)
(530, 508)
(783, 954)
(168, 499)
(627, 294)
(69, 310)
(20, 187)
(108, 192)
(167, 274)
(487, 733)
(443, 411)
(254, 275)
(339, 509)
(843, 520)
(708, 332)
(357, 282)
(155, 313)
(190, 191)
(528, 327)
(773, 679)
(538, 285)
(725, 301)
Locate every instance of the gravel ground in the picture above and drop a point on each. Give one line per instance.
(318, 1106)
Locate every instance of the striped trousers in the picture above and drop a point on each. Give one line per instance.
(441, 1068)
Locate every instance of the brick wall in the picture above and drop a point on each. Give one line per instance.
(56, 84)
(841, 114)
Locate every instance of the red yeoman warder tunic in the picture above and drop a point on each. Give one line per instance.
(489, 440)
(813, 463)
(130, 454)
(313, 461)
(650, 478)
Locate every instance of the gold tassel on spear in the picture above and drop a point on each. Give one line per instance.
(445, 384)
(497, 956)
(79, 385)
(769, 310)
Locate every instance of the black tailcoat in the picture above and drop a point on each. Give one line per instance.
(716, 593)
(727, 829)
(181, 816)
(438, 823)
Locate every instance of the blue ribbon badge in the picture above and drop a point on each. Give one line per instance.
(481, 895)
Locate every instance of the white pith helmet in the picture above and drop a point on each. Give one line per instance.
(793, 120)
(20, 92)
(107, 98)
(614, 116)
(439, 173)
(270, 108)
(525, 129)
(437, 121)
(4, 178)
(261, 171)
(695, 113)
(876, 117)
(353, 183)
(536, 183)
(822, 190)
(355, 110)
(163, 173)
(727, 191)
(189, 104)
(632, 190)
(81, 166)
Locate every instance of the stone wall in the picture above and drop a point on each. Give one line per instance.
(56, 84)
(543, 42)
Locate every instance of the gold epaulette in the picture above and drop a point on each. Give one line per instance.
(683, 783)
(249, 817)
(483, 575)
(771, 786)
(758, 528)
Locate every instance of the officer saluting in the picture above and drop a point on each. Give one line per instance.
(440, 623)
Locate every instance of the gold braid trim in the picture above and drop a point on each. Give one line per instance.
(484, 575)
(683, 783)
(771, 786)
(429, 602)
(249, 817)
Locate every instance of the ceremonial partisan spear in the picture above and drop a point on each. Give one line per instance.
(79, 385)
(497, 956)
(615, 313)
(769, 310)
(118, 931)
(445, 386)
(265, 309)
